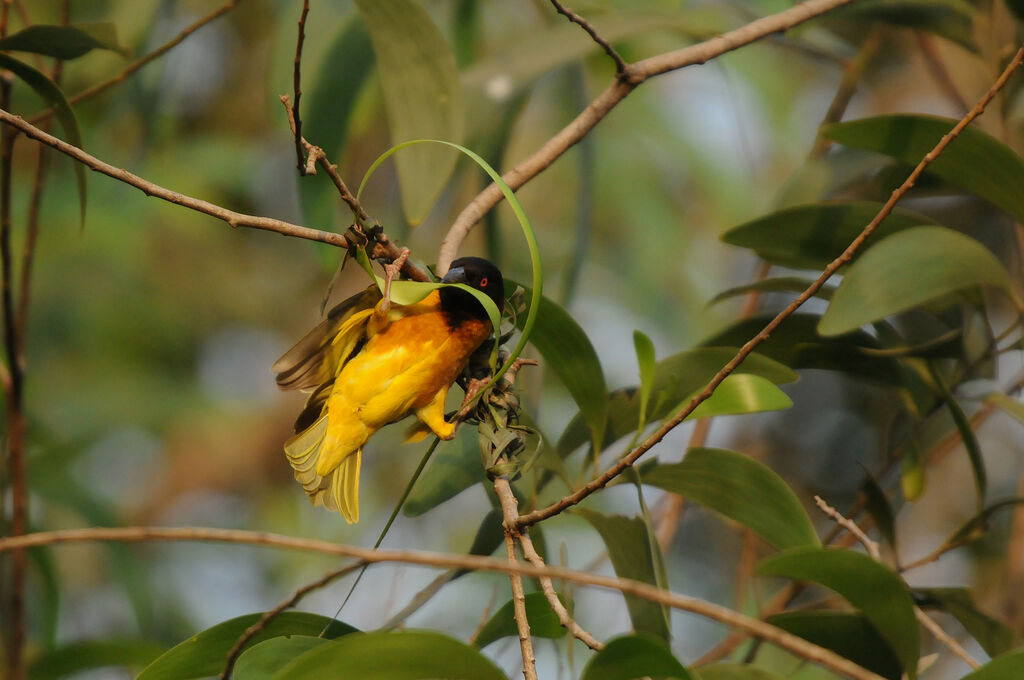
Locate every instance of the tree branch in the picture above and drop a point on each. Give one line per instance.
(633, 76)
(235, 219)
(294, 118)
(776, 636)
(744, 352)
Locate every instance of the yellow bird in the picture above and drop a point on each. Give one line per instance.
(371, 363)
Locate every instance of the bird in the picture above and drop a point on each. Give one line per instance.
(372, 362)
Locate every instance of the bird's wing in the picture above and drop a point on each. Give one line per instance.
(318, 356)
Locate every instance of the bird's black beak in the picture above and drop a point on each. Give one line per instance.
(455, 275)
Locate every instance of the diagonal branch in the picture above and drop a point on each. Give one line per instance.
(297, 77)
(630, 458)
(632, 77)
(776, 636)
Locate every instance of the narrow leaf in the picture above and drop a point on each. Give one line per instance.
(909, 269)
(64, 42)
(741, 393)
(742, 489)
(994, 636)
(848, 634)
(782, 284)
(454, 469)
(628, 544)
(402, 655)
(569, 354)
(877, 591)
(676, 377)
(635, 656)
(877, 505)
(645, 360)
(812, 235)
(542, 618)
(204, 654)
(1008, 405)
(86, 655)
(975, 161)
(52, 95)
(950, 19)
(963, 426)
(422, 95)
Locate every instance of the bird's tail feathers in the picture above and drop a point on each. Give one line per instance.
(338, 489)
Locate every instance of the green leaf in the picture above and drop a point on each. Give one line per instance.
(951, 19)
(85, 655)
(645, 360)
(629, 549)
(52, 95)
(740, 488)
(262, 661)
(422, 94)
(909, 269)
(205, 653)
(977, 526)
(326, 111)
(453, 470)
(676, 377)
(810, 236)
(741, 393)
(568, 352)
(402, 655)
(970, 441)
(782, 284)
(994, 636)
(1004, 667)
(735, 671)
(1008, 405)
(975, 161)
(64, 42)
(542, 618)
(848, 634)
(877, 591)
(635, 656)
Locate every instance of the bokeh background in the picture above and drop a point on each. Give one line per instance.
(152, 329)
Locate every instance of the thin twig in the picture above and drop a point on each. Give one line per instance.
(136, 65)
(634, 75)
(620, 64)
(295, 118)
(845, 257)
(938, 70)
(510, 512)
(776, 636)
(255, 629)
(876, 554)
(851, 526)
(235, 219)
(852, 74)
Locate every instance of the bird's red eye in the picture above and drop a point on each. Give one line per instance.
(483, 282)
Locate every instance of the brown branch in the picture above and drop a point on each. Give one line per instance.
(90, 92)
(744, 352)
(876, 554)
(852, 74)
(510, 512)
(235, 219)
(294, 118)
(620, 64)
(940, 74)
(254, 630)
(633, 76)
(760, 629)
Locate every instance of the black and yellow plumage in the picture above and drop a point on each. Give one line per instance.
(371, 363)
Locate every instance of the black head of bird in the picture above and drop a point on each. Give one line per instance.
(475, 272)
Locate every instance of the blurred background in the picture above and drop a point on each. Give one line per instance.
(152, 330)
